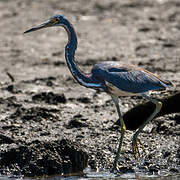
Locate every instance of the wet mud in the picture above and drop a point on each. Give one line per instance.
(51, 125)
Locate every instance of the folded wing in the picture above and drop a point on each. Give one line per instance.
(128, 78)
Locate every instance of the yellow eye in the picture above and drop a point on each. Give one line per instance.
(55, 21)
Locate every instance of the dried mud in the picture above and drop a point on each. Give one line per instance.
(49, 124)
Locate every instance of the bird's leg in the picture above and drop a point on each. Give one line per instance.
(135, 139)
(123, 129)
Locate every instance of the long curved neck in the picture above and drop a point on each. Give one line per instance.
(84, 79)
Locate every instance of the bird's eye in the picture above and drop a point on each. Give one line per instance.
(55, 21)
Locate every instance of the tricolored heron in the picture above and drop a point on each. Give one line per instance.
(112, 78)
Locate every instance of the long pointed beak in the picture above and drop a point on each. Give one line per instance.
(41, 26)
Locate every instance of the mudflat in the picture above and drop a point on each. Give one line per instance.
(49, 124)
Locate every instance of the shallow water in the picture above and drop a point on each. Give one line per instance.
(100, 176)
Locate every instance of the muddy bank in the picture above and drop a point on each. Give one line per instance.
(49, 124)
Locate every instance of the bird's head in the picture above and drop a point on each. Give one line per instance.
(57, 20)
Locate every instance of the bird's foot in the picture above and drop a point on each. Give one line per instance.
(115, 168)
(135, 147)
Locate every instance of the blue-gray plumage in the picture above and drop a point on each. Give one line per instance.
(112, 77)
(128, 78)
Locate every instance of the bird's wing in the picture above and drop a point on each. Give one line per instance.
(128, 78)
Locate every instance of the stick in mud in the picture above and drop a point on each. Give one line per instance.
(135, 117)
